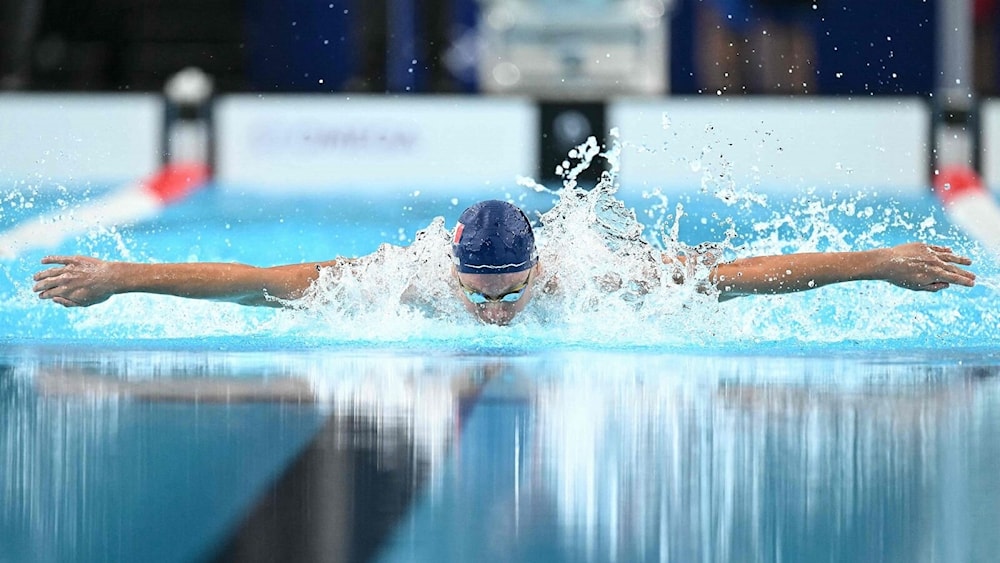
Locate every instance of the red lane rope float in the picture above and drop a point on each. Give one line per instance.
(129, 204)
(175, 181)
(969, 205)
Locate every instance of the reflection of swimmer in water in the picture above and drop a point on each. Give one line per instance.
(495, 271)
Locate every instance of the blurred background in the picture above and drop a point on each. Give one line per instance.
(544, 47)
(323, 95)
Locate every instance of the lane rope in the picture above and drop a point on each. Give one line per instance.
(969, 205)
(129, 204)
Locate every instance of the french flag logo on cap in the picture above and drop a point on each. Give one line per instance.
(458, 233)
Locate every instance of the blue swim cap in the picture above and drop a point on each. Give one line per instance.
(493, 237)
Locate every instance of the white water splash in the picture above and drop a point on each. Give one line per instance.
(604, 280)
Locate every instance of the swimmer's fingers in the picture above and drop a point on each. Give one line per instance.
(49, 293)
(66, 263)
(56, 259)
(954, 274)
(924, 267)
(46, 284)
(55, 297)
(49, 279)
(71, 297)
(936, 279)
(68, 260)
(65, 302)
(79, 281)
(935, 287)
(47, 273)
(948, 256)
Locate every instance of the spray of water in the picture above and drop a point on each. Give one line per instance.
(607, 280)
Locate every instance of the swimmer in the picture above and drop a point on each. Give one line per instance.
(495, 271)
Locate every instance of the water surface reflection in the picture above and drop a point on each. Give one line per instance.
(637, 458)
(179, 455)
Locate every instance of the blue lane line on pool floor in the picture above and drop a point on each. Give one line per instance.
(342, 498)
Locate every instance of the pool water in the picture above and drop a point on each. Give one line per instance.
(162, 454)
(227, 225)
(854, 422)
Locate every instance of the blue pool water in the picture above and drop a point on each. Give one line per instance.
(850, 423)
(225, 225)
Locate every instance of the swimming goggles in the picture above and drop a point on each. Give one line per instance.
(479, 298)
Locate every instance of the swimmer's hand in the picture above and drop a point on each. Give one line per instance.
(78, 281)
(916, 266)
(924, 267)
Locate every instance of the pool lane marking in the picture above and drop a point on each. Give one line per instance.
(969, 205)
(132, 203)
(329, 504)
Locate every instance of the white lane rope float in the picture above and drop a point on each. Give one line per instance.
(132, 203)
(970, 206)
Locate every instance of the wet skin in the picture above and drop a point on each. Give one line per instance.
(496, 286)
(81, 281)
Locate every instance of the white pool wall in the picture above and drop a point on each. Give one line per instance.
(309, 142)
(338, 142)
(78, 139)
(776, 144)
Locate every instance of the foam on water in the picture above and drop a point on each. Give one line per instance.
(603, 282)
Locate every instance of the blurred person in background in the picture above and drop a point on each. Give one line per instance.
(378, 38)
(985, 58)
(787, 47)
(755, 47)
(18, 24)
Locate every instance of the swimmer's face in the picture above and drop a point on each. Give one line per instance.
(490, 296)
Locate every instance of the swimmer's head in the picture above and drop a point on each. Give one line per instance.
(493, 237)
(493, 247)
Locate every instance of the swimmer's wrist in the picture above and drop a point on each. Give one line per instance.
(133, 277)
(872, 264)
(122, 277)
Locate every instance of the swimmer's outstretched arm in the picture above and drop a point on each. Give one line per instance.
(915, 266)
(80, 281)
